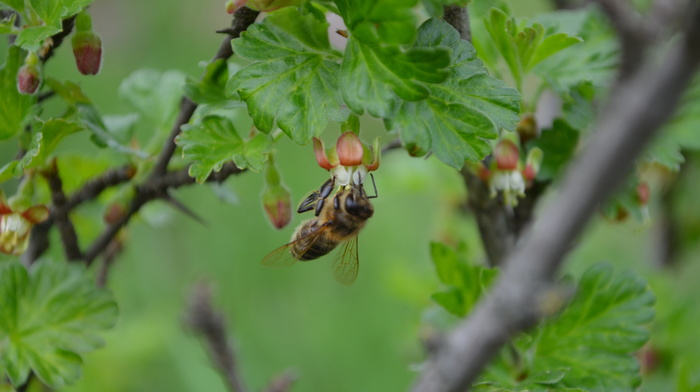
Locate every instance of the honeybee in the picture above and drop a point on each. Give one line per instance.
(337, 221)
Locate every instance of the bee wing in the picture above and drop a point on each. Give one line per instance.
(347, 263)
(282, 256)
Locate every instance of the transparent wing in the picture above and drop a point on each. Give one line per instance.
(347, 263)
(283, 257)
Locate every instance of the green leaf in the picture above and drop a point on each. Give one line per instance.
(16, 107)
(685, 123)
(293, 81)
(17, 5)
(592, 341)
(254, 153)
(550, 45)
(101, 135)
(47, 137)
(49, 317)
(380, 21)
(209, 143)
(7, 25)
(372, 76)
(558, 144)
(51, 13)
(594, 60)
(154, 95)
(211, 88)
(596, 336)
(465, 283)
(462, 112)
(8, 171)
(665, 151)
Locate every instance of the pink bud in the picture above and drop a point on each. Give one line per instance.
(278, 205)
(643, 193)
(529, 172)
(350, 149)
(506, 154)
(87, 50)
(28, 79)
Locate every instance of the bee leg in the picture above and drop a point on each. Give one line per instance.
(327, 188)
(375, 188)
(310, 202)
(336, 202)
(319, 206)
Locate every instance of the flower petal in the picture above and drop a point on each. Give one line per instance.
(36, 214)
(350, 149)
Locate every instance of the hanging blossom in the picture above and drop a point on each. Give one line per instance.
(349, 160)
(507, 174)
(16, 223)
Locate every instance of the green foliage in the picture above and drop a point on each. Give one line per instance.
(155, 96)
(462, 112)
(465, 282)
(213, 141)
(381, 22)
(45, 19)
(50, 316)
(211, 88)
(293, 81)
(16, 107)
(591, 342)
(558, 144)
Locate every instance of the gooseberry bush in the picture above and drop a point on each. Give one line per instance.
(507, 102)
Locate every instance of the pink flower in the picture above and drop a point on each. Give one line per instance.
(15, 226)
(349, 160)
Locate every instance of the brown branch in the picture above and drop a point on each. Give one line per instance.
(59, 212)
(93, 188)
(638, 106)
(458, 17)
(207, 322)
(242, 19)
(153, 189)
(57, 39)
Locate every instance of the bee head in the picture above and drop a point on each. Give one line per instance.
(357, 204)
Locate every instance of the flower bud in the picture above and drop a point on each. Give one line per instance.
(532, 163)
(29, 76)
(507, 155)
(276, 198)
(527, 128)
(643, 193)
(87, 50)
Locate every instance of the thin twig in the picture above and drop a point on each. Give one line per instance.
(57, 39)
(93, 188)
(207, 322)
(59, 212)
(242, 19)
(639, 105)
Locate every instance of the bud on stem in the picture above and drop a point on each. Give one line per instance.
(275, 197)
(87, 46)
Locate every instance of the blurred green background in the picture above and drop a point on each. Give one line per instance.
(365, 337)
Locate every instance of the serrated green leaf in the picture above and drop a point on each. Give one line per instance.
(501, 29)
(16, 107)
(665, 151)
(550, 45)
(47, 137)
(68, 91)
(50, 315)
(255, 153)
(466, 283)
(209, 144)
(211, 89)
(596, 335)
(463, 112)
(51, 13)
(594, 60)
(8, 171)
(380, 21)
(7, 25)
(593, 340)
(293, 81)
(683, 128)
(373, 77)
(154, 95)
(92, 120)
(558, 144)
